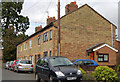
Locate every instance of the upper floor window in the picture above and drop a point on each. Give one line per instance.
(21, 47)
(24, 46)
(103, 57)
(50, 34)
(45, 37)
(30, 44)
(39, 39)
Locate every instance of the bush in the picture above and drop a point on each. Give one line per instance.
(83, 72)
(105, 73)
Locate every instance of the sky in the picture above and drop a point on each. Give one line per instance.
(39, 10)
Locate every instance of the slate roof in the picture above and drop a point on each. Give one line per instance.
(90, 49)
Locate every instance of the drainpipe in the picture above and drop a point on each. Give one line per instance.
(112, 34)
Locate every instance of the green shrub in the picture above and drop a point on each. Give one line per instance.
(83, 72)
(105, 73)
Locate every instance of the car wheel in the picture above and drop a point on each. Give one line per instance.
(18, 70)
(14, 69)
(37, 78)
(31, 71)
(51, 78)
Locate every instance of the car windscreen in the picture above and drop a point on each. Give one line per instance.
(25, 62)
(60, 62)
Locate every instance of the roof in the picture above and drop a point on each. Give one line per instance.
(104, 46)
(46, 27)
(90, 49)
(99, 46)
(51, 24)
(93, 10)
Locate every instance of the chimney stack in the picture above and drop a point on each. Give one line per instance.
(38, 28)
(71, 7)
(50, 19)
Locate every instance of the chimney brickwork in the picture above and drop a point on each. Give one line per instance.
(50, 19)
(70, 7)
(38, 28)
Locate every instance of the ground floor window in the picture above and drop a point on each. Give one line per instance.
(50, 53)
(38, 56)
(45, 54)
(103, 57)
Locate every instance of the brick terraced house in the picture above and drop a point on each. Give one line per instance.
(81, 29)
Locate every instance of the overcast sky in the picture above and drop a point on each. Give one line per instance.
(36, 10)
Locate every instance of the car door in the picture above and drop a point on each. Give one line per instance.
(16, 65)
(39, 68)
(46, 70)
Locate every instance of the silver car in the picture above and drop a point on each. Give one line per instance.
(7, 65)
(24, 65)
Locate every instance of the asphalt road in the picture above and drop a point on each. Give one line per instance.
(10, 75)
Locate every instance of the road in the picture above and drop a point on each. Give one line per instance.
(22, 76)
(17, 76)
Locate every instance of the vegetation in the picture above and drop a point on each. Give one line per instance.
(11, 15)
(83, 72)
(105, 73)
(14, 27)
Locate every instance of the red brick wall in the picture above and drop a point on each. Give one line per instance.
(81, 30)
(117, 46)
(112, 56)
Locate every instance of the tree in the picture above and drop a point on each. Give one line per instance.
(12, 25)
(11, 39)
(11, 15)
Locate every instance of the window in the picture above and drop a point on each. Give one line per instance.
(40, 62)
(45, 54)
(24, 46)
(39, 39)
(30, 43)
(50, 53)
(38, 56)
(45, 37)
(50, 34)
(21, 47)
(102, 57)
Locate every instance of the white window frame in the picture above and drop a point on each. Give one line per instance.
(24, 46)
(21, 47)
(50, 34)
(30, 43)
(39, 38)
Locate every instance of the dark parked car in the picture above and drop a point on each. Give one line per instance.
(86, 62)
(56, 69)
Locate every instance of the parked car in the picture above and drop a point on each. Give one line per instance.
(7, 65)
(56, 69)
(13, 65)
(24, 65)
(86, 62)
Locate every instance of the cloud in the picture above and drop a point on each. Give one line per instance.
(36, 10)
